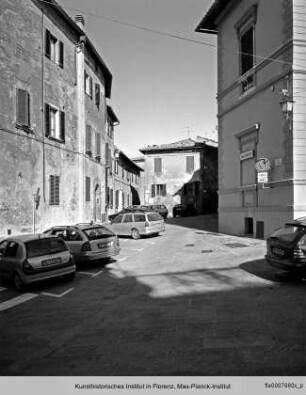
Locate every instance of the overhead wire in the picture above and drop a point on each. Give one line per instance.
(174, 35)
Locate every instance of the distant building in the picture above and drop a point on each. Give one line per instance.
(182, 172)
(261, 112)
(124, 183)
(54, 90)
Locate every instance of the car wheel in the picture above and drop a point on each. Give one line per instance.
(135, 233)
(18, 283)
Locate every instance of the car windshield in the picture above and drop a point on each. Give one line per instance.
(154, 217)
(42, 247)
(98, 233)
(289, 232)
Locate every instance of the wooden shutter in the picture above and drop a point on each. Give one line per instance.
(87, 189)
(62, 125)
(54, 190)
(23, 107)
(164, 190)
(47, 120)
(98, 144)
(97, 94)
(153, 190)
(90, 87)
(47, 44)
(88, 139)
(157, 165)
(61, 55)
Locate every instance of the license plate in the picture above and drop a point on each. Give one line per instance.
(51, 261)
(103, 245)
(278, 251)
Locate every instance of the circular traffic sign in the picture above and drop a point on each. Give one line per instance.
(263, 164)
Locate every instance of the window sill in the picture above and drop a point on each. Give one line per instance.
(55, 139)
(25, 128)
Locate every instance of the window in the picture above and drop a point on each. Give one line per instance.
(55, 123)
(117, 199)
(98, 146)
(158, 190)
(117, 219)
(157, 165)
(54, 49)
(87, 189)
(246, 36)
(54, 190)
(23, 108)
(116, 167)
(88, 141)
(189, 164)
(97, 95)
(128, 218)
(88, 84)
(139, 218)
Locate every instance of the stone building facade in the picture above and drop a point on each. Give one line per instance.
(261, 74)
(182, 172)
(54, 89)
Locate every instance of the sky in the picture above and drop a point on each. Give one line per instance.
(164, 88)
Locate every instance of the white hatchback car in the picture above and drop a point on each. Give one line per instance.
(29, 258)
(137, 224)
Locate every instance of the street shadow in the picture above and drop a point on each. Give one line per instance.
(210, 321)
(262, 269)
(208, 223)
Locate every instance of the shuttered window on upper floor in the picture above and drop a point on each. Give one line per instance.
(54, 49)
(88, 84)
(88, 140)
(157, 165)
(98, 144)
(189, 164)
(54, 123)
(87, 189)
(54, 189)
(97, 95)
(23, 108)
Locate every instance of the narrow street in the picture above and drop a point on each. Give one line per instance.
(192, 302)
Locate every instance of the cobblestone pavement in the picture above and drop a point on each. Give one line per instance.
(192, 302)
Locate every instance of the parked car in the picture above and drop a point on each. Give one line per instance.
(160, 208)
(137, 224)
(88, 241)
(129, 209)
(30, 258)
(183, 211)
(286, 247)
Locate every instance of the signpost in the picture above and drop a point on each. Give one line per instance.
(262, 166)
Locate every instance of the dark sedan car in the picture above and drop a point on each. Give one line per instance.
(286, 247)
(183, 211)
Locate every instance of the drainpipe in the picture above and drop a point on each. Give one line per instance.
(80, 63)
(43, 107)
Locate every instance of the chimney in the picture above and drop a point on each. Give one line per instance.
(79, 20)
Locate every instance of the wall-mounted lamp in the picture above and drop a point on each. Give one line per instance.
(287, 105)
(117, 154)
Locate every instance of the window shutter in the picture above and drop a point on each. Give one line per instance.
(97, 94)
(61, 55)
(54, 190)
(47, 120)
(153, 190)
(98, 144)
(164, 190)
(62, 125)
(23, 107)
(157, 165)
(106, 154)
(88, 138)
(85, 79)
(90, 87)
(47, 44)
(87, 189)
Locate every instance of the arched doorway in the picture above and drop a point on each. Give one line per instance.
(135, 196)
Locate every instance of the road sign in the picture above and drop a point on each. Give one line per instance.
(263, 164)
(262, 177)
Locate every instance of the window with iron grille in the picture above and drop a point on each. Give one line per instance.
(88, 140)
(87, 189)
(157, 165)
(23, 108)
(54, 49)
(54, 123)
(189, 164)
(54, 187)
